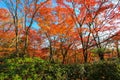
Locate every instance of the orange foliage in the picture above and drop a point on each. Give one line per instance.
(4, 14)
(67, 26)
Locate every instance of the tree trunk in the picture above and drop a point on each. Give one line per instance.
(26, 44)
(101, 56)
(63, 60)
(51, 53)
(16, 46)
(85, 56)
(118, 53)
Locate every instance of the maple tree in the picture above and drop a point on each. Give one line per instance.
(25, 20)
(6, 33)
(86, 14)
(115, 40)
(67, 28)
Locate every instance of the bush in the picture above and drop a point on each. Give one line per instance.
(30, 68)
(74, 71)
(104, 70)
(37, 69)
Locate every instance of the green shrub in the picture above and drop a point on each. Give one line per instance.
(104, 70)
(30, 68)
(37, 69)
(74, 71)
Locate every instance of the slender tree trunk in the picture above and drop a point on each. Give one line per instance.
(118, 52)
(51, 53)
(16, 41)
(63, 60)
(101, 56)
(85, 54)
(64, 54)
(16, 34)
(15, 21)
(26, 43)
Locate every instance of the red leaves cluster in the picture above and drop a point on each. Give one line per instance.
(4, 14)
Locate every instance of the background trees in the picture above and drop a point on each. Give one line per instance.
(91, 20)
(64, 27)
(22, 14)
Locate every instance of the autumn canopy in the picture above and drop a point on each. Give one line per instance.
(68, 31)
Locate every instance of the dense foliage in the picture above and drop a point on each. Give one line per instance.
(29, 69)
(37, 69)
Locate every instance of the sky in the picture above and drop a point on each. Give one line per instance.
(2, 5)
